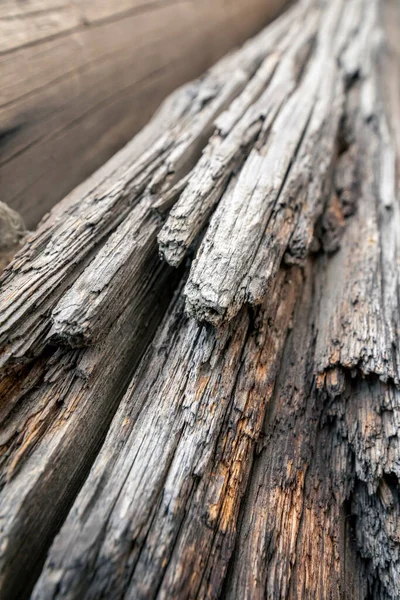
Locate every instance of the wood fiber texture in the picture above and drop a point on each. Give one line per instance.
(228, 429)
(12, 233)
(80, 78)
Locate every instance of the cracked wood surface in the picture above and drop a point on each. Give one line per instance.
(60, 398)
(56, 414)
(283, 186)
(320, 517)
(126, 188)
(259, 458)
(80, 78)
(236, 131)
(177, 461)
(12, 234)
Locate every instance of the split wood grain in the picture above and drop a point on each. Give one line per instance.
(80, 79)
(320, 517)
(134, 179)
(285, 182)
(55, 414)
(157, 516)
(259, 458)
(100, 242)
(236, 130)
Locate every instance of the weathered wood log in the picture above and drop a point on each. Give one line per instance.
(56, 414)
(248, 235)
(256, 454)
(142, 174)
(89, 278)
(79, 79)
(176, 462)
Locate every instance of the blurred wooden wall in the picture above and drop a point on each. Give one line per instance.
(79, 78)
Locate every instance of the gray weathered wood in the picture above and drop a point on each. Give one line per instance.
(80, 78)
(278, 198)
(135, 179)
(321, 515)
(158, 514)
(12, 233)
(88, 286)
(236, 131)
(56, 414)
(259, 458)
(364, 275)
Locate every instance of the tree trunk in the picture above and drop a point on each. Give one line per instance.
(80, 78)
(249, 429)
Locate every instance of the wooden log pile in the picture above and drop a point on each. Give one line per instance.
(199, 348)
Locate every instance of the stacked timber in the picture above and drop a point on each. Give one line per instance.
(223, 421)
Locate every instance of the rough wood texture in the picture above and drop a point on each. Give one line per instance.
(80, 78)
(56, 415)
(235, 132)
(256, 452)
(85, 288)
(12, 233)
(143, 173)
(321, 516)
(285, 181)
(157, 516)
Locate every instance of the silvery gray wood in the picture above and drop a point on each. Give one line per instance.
(79, 79)
(150, 165)
(12, 233)
(236, 131)
(157, 516)
(59, 376)
(259, 458)
(278, 196)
